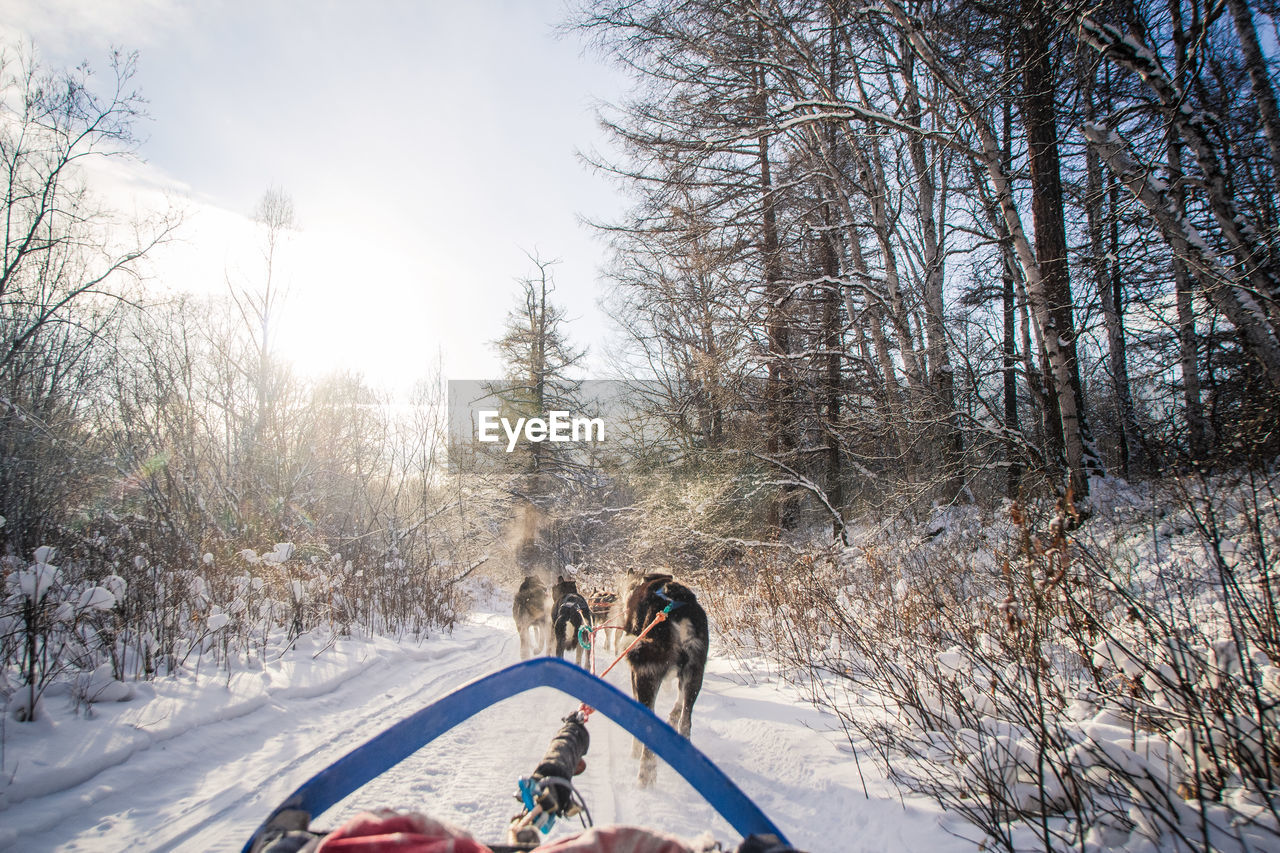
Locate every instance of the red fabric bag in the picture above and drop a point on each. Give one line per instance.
(388, 832)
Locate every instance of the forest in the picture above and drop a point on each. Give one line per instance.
(952, 330)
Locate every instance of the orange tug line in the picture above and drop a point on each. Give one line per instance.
(661, 616)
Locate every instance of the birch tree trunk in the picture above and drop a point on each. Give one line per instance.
(1236, 303)
(1188, 355)
(1251, 253)
(1105, 261)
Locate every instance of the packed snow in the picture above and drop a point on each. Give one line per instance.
(197, 760)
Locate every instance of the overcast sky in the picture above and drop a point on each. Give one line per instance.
(426, 146)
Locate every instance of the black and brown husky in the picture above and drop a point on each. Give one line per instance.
(570, 614)
(533, 622)
(678, 642)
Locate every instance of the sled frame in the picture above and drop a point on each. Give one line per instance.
(386, 750)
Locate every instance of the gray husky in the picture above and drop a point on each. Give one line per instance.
(532, 614)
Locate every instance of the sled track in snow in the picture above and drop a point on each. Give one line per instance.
(370, 723)
(222, 805)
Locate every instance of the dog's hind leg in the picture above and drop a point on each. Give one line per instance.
(644, 686)
(689, 673)
(558, 630)
(648, 768)
(645, 683)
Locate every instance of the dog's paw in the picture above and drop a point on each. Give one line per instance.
(648, 775)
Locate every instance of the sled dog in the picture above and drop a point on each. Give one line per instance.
(679, 644)
(533, 621)
(605, 610)
(570, 614)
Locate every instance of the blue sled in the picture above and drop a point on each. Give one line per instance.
(406, 737)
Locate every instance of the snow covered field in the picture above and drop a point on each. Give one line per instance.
(196, 762)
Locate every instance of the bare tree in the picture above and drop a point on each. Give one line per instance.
(68, 262)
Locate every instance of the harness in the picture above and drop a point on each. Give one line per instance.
(672, 604)
(586, 635)
(572, 607)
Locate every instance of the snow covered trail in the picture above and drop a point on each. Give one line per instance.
(207, 786)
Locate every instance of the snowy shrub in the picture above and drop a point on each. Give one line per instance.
(1054, 690)
(161, 583)
(100, 685)
(51, 625)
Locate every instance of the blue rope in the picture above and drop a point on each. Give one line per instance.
(584, 636)
(406, 737)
